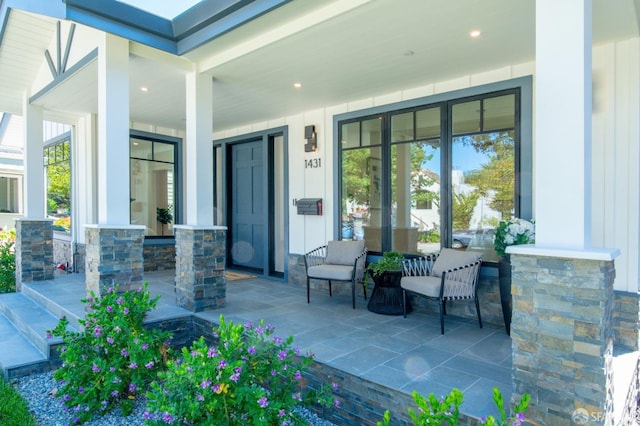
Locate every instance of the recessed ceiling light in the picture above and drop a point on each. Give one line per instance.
(144, 89)
(475, 33)
(297, 85)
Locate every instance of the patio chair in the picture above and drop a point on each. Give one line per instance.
(337, 261)
(449, 275)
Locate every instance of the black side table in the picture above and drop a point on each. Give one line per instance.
(386, 297)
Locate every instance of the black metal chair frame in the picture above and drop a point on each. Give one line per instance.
(318, 256)
(422, 266)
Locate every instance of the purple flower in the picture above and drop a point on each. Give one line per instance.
(95, 368)
(133, 365)
(270, 327)
(282, 413)
(334, 385)
(48, 335)
(259, 330)
(252, 350)
(146, 415)
(114, 393)
(263, 402)
(149, 365)
(66, 398)
(336, 403)
(132, 387)
(216, 388)
(274, 372)
(296, 351)
(211, 352)
(145, 346)
(117, 329)
(110, 340)
(109, 309)
(298, 375)
(80, 389)
(120, 301)
(200, 398)
(277, 340)
(222, 364)
(112, 369)
(205, 384)
(166, 417)
(296, 396)
(97, 331)
(248, 325)
(282, 355)
(235, 377)
(110, 290)
(125, 311)
(124, 353)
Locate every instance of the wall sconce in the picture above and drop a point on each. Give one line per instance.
(310, 135)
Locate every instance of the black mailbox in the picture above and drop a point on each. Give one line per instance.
(312, 206)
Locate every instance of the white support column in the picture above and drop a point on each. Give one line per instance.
(198, 149)
(34, 206)
(563, 124)
(113, 131)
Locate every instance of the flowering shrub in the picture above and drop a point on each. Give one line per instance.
(7, 261)
(433, 411)
(114, 359)
(247, 378)
(513, 232)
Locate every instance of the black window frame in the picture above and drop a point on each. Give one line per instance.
(522, 154)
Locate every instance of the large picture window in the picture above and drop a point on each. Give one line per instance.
(432, 176)
(57, 167)
(153, 185)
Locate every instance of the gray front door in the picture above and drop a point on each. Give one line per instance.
(247, 206)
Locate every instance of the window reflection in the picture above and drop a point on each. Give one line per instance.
(57, 160)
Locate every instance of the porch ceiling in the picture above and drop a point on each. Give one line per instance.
(372, 47)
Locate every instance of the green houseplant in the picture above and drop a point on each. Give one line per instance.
(387, 296)
(164, 216)
(390, 261)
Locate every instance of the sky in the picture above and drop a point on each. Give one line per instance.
(166, 8)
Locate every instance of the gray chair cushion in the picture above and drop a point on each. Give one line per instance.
(450, 258)
(343, 252)
(430, 286)
(331, 272)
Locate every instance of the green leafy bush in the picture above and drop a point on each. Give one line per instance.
(247, 378)
(433, 411)
(113, 360)
(7, 261)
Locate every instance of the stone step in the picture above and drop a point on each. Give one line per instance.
(18, 357)
(32, 320)
(73, 309)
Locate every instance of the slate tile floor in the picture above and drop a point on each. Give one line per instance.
(402, 353)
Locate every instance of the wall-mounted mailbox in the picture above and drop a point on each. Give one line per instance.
(312, 206)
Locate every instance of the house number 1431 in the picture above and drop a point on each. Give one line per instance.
(313, 163)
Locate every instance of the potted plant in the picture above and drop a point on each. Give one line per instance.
(164, 216)
(509, 233)
(386, 273)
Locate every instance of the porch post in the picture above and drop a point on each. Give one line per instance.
(34, 233)
(113, 246)
(562, 288)
(200, 246)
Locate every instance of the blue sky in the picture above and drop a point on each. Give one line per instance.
(165, 8)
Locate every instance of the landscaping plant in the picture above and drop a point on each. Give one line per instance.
(114, 359)
(7, 261)
(249, 377)
(446, 411)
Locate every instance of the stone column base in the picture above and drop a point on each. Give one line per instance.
(33, 250)
(113, 257)
(200, 267)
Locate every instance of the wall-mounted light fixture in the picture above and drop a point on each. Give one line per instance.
(310, 135)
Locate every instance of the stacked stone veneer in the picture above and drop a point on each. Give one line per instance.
(626, 321)
(113, 257)
(33, 250)
(562, 337)
(159, 256)
(200, 267)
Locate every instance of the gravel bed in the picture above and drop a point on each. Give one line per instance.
(49, 410)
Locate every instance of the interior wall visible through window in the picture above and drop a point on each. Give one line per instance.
(57, 168)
